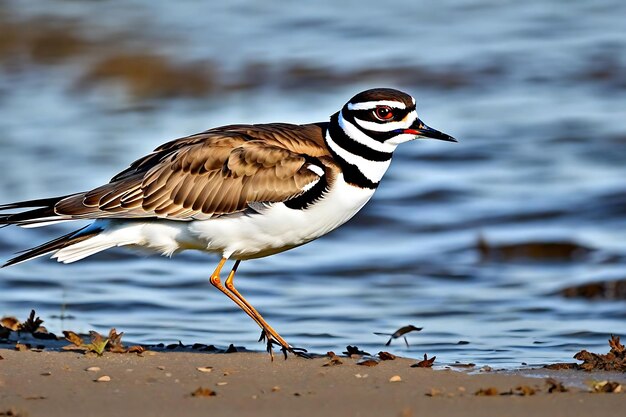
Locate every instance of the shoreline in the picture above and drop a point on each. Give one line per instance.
(165, 383)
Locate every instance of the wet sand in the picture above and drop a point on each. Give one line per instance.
(57, 383)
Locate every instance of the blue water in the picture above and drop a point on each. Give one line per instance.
(539, 112)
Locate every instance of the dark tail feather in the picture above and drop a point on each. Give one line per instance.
(45, 212)
(53, 245)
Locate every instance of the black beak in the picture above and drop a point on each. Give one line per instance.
(421, 130)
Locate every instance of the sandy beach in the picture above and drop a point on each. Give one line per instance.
(165, 383)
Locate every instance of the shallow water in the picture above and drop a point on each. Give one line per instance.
(540, 118)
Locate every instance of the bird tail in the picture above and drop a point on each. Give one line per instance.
(68, 243)
(41, 213)
(68, 248)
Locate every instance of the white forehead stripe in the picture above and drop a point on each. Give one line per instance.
(368, 105)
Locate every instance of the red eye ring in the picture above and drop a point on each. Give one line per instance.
(383, 113)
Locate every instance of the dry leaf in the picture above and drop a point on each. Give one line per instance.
(21, 347)
(605, 386)
(115, 342)
(386, 356)
(203, 392)
(525, 390)
(555, 386)
(487, 391)
(10, 323)
(136, 349)
(32, 323)
(98, 343)
(73, 338)
(426, 363)
(334, 359)
(367, 362)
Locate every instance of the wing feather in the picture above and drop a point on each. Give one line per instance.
(221, 171)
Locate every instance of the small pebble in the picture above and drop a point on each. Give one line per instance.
(360, 376)
(221, 383)
(168, 374)
(161, 367)
(104, 378)
(395, 378)
(276, 388)
(93, 369)
(205, 369)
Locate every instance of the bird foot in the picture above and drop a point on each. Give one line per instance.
(270, 341)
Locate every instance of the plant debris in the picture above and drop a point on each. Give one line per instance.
(487, 392)
(10, 323)
(615, 360)
(334, 359)
(555, 386)
(203, 392)
(32, 324)
(386, 356)
(401, 332)
(367, 362)
(605, 386)
(426, 363)
(522, 391)
(21, 347)
(99, 344)
(354, 350)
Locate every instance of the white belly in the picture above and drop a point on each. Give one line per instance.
(279, 228)
(274, 229)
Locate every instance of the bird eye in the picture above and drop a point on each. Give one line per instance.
(383, 113)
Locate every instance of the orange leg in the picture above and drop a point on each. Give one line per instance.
(232, 293)
(267, 329)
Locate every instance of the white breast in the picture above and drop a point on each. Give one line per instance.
(277, 228)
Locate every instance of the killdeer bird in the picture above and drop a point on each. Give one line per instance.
(242, 191)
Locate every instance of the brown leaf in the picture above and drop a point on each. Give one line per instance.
(10, 322)
(367, 362)
(426, 363)
(31, 324)
(525, 390)
(354, 350)
(487, 392)
(386, 356)
(334, 359)
(136, 349)
(73, 338)
(616, 347)
(203, 392)
(98, 343)
(115, 342)
(21, 347)
(555, 386)
(606, 386)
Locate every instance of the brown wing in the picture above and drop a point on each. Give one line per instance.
(220, 171)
